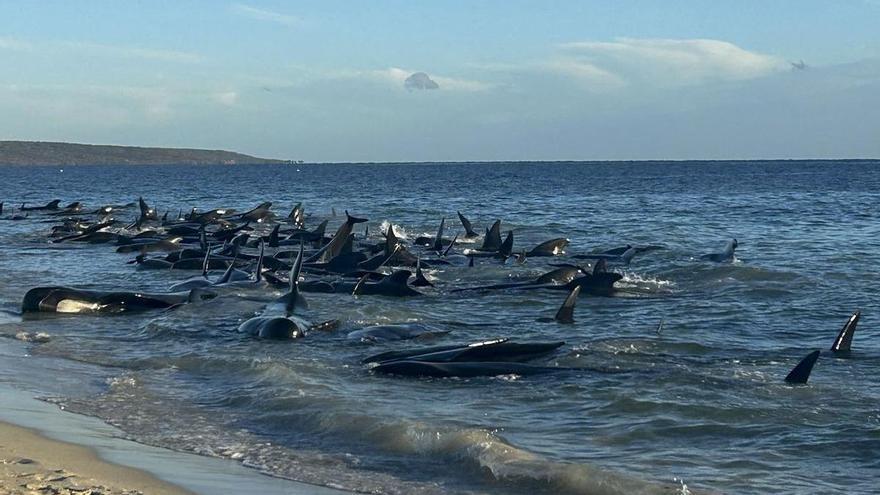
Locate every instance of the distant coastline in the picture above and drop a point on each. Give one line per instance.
(39, 153)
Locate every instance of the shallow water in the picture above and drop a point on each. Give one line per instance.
(700, 406)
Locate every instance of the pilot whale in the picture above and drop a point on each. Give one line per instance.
(71, 300)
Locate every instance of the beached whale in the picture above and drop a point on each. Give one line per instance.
(72, 300)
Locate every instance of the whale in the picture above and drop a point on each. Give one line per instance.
(461, 370)
(553, 247)
(334, 247)
(259, 214)
(724, 256)
(499, 350)
(562, 274)
(394, 285)
(50, 206)
(624, 257)
(394, 332)
(274, 327)
(57, 299)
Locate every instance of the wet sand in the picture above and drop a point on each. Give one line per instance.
(31, 463)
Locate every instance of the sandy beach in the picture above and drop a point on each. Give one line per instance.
(31, 463)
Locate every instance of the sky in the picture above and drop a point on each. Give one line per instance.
(388, 80)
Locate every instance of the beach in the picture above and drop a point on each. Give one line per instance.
(32, 463)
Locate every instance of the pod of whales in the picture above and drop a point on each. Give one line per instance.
(254, 250)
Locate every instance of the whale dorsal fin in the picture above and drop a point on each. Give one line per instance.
(844, 339)
(293, 297)
(259, 274)
(273, 236)
(492, 241)
(468, 228)
(506, 248)
(227, 275)
(601, 266)
(566, 311)
(438, 239)
(451, 245)
(420, 277)
(801, 373)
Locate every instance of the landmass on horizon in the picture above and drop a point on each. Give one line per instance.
(67, 154)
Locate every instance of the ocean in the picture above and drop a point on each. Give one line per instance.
(698, 407)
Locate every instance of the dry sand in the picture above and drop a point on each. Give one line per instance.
(33, 464)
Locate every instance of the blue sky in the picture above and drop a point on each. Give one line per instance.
(516, 80)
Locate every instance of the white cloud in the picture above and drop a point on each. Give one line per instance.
(664, 62)
(265, 15)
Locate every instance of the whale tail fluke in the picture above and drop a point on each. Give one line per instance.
(801, 373)
(566, 311)
(352, 220)
(843, 342)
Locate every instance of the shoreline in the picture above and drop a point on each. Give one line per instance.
(31, 462)
(63, 450)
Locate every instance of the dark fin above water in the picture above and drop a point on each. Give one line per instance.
(259, 272)
(566, 311)
(470, 261)
(360, 284)
(273, 236)
(353, 220)
(506, 249)
(438, 239)
(293, 298)
(205, 262)
(420, 280)
(801, 373)
(451, 245)
(844, 339)
(601, 266)
(492, 241)
(468, 228)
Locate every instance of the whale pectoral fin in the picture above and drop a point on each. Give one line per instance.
(843, 342)
(566, 311)
(801, 373)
